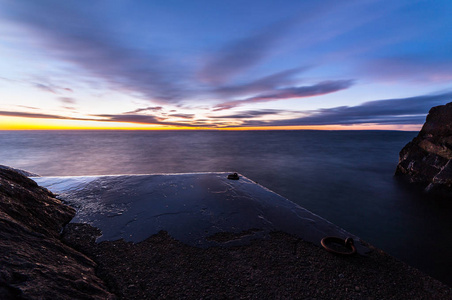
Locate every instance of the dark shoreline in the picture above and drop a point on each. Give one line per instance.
(38, 263)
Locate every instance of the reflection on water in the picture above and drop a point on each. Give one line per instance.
(344, 176)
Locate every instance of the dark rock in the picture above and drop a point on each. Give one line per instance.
(22, 172)
(34, 263)
(281, 266)
(426, 160)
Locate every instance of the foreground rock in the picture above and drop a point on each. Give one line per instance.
(426, 160)
(34, 263)
(280, 267)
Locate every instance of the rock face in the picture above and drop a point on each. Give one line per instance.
(426, 160)
(34, 263)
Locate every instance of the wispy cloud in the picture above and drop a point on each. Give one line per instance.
(67, 32)
(45, 88)
(264, 84)
(28, 107)
(36, 115)
(67, 100)
(122, 118)
(242, 54)
(250, 114)
(49, 87)
(217, 71)
(321, 88)
(410, 110)
(143, 119)
(145, 109)
(183, 116)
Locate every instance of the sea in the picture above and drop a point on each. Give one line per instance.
(347, 177)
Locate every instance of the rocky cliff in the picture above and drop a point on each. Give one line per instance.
(34, 263)
(426, 160)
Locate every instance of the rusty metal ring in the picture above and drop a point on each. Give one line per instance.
(347, 243)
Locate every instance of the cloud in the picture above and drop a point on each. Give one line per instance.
(322, 88)
(149, 108)
(36, 115)
(242, 54)
(250, 114)
(410, 110)
(142, 119)
(27, 107)
(67, 100)
(183, 116)
(122, 118)
(50, 87)
(45, 88)
(79, 36)
(260, 85)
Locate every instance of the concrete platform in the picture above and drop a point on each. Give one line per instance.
(190, 207)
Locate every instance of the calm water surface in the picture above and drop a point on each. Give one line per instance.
(344, 176)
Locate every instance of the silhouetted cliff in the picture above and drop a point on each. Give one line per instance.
(426, 160)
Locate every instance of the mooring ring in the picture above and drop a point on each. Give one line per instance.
(347, 243)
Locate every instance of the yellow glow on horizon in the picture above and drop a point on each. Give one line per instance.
(19, 123)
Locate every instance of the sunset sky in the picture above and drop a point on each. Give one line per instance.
(223, 64)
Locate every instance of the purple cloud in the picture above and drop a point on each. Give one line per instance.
(250, 114)
(122, 118)
(45, 88)
(67, 100)
(183, 116)
(27, 107)
(410, 110)
(142, 119)
(321, 88)
(260, 85)
(36, 115)
(150, 108)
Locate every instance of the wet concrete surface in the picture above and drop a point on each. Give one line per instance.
(191, 207)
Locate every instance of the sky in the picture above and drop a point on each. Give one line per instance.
(167, 64)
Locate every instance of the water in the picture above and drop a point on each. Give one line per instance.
(344, 176)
